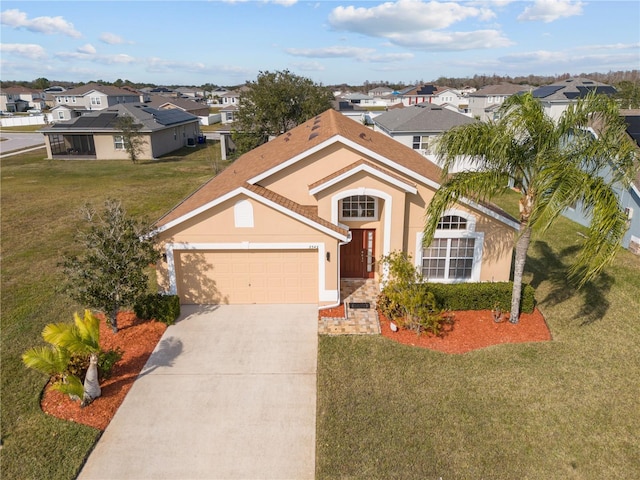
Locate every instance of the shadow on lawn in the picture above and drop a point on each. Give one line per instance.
(550, 266)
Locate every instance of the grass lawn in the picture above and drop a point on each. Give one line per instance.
(40, 201)
(563, 409)
(566, 409)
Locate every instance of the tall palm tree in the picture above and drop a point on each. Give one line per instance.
(556, 163)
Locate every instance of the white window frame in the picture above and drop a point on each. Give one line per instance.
(96, 101)
(374, 218)
(469, 232)
(118, 142)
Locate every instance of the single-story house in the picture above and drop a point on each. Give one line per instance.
(325, 201)
(95, 135)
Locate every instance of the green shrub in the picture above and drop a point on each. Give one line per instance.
(480, 296)
(106, 361)
(159, 307)
(404, 299)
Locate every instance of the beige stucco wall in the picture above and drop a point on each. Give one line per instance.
(293, 182)
(105, 148)
(217, 225)
(400, 217)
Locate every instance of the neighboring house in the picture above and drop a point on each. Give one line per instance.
(557, 96)
(452, 98)
(191, 92)
(51, 93)
(95, 135)
(420, 94)
(94, 96)
(21, 99)
(419, 126)
(325, 201)
(216, 95)
(629, 197)
(228, 113)
(230, 98)
(230, 102)
(485, 102)
(164, 103)
(380, 92)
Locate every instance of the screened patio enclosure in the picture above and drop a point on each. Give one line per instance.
(77, 145)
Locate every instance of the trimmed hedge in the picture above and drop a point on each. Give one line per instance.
(480, 296)
(156, 306)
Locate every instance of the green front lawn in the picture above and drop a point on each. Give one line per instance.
(40, 201)
(566, 409)
(563, 409)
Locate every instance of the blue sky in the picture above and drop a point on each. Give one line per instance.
(331, 42)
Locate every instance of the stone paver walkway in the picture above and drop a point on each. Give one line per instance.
(358, 321)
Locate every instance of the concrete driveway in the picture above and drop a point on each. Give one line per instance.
(229, 393)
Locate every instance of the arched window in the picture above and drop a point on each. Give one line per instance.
(243, 214)
(455, 254)
(359, 207)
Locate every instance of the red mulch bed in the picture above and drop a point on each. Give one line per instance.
(470, 330)
(137, 339)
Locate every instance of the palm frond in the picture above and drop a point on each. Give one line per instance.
(70, 385)
(48, 360)
(477, 186)
(88, 328)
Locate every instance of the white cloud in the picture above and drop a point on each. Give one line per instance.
(28, 50)
(48, 25)
(403, 16)
(330, 52)
(309, 66)
(112, 39)
(550, 10)
(357, 53)
(87, 49)
(87, 55)
(452, 41)
(421, 25)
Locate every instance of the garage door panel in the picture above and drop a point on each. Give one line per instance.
(247, 276)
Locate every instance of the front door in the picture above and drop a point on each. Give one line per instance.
(357, 256)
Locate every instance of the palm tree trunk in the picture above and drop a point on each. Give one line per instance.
(92, 388)
(522, 246)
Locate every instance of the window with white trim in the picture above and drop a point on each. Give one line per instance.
(359, 207)
(420, 142)
(96, 101)
(118, 142)
(455, 254)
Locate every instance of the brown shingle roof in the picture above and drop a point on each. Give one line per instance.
(297, 141)
(351, 167)
(106, 89)
(305, 211)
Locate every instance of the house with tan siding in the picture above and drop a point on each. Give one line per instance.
(95, 135)
(287, 221)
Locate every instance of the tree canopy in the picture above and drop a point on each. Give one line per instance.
(557, 164)
(275, 103)
(131, 136)
(110, 272)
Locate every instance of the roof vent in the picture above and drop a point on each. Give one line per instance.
(313, 135)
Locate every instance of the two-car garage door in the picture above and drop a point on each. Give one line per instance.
(247, 276)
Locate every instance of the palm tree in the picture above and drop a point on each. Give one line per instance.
(556, 163)
(65, 340)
